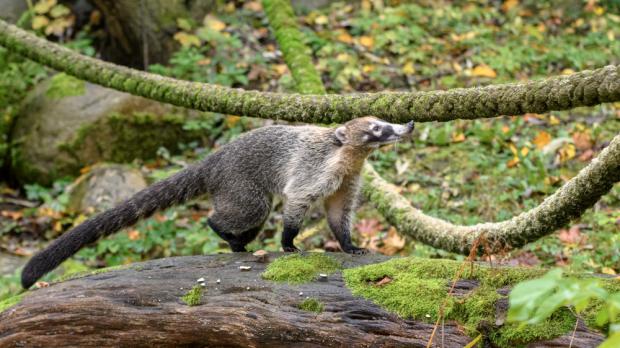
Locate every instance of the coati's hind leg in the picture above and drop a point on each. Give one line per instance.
(238, 217)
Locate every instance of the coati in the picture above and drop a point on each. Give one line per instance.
(300, 163)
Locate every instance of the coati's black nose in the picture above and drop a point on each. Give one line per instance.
(410, 125)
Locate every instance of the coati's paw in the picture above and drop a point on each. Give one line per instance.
(355, 250)
(291, 249)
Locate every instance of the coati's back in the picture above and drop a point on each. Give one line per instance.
(264, 156)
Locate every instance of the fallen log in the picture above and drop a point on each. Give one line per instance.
(146, 305)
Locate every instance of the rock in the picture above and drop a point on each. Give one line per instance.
(11, 10)
(103, 187)
(67, 124)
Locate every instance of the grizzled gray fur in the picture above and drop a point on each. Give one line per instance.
(300, 163)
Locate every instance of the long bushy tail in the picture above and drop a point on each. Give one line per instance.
(185, 185)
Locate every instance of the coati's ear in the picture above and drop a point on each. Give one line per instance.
(341, 134)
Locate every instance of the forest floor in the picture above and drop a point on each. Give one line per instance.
(462, 171)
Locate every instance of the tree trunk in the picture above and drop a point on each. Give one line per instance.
(141, 306)
(141, 31)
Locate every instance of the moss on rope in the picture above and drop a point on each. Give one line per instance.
(568, 202)
(298, 57)
(585, 88)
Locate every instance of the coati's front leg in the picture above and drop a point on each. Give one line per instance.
(339, 210)
(294, 212)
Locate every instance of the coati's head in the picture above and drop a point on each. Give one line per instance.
(371, 132)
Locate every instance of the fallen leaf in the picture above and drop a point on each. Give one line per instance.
(187, 40)
(133, 235)
(458, 137)
(509, 4)
(513, 162)
(586, 155)
(368, 68)
(232, 120)
(484, 70)
(39, 22)
(44, 6)
(345, 37)
(281, 69)
(608, 270)
(367, 41)
(214, 23)
(543, 138)
(567, 152)
(255, 6)
(383, 281)
(321, 20)
(368, 227)
(571, 236)
(582, 140)
(408, 68)
(554, 121)
(392, 243)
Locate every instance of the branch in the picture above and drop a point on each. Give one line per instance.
(585, 88)
(569, 202)
(298, 57)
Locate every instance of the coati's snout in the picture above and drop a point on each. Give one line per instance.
(370, 131)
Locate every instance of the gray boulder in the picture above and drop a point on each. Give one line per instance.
(67, 124)
(11, 10)
(103, 187)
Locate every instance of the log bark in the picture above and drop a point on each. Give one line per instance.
(140, 306)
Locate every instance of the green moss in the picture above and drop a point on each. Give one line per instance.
(311, 305)
(192, 297)
(418, 288)
(10, 302)
(299, 268)
(512, 334)
(63, 85)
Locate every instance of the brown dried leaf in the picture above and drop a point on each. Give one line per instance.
(383, 281)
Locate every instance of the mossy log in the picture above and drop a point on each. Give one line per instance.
(157, 303)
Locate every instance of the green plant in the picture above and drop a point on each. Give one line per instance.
(533, 301)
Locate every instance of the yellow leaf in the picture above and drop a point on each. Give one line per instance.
(543, 138)
(458, 137)
(253, 6)
(367, 41)
(368, 68)
(39, 22)
(567, 152)
(524, 151)
(345, 37)
(231, 120)
(513, 149)
(484, 70)
(513, 162)
(408, 68)
(607, 270)
(509, 4)
(44, 6)
(599, 11)
(281, 68)
(187, 40)
(342, 57)
(568, 71)
(554, 121)
(214, 23)
(321, 20)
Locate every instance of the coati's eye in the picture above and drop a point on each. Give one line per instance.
(376, 128)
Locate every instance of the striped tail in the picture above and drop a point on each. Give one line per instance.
(184, 185)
